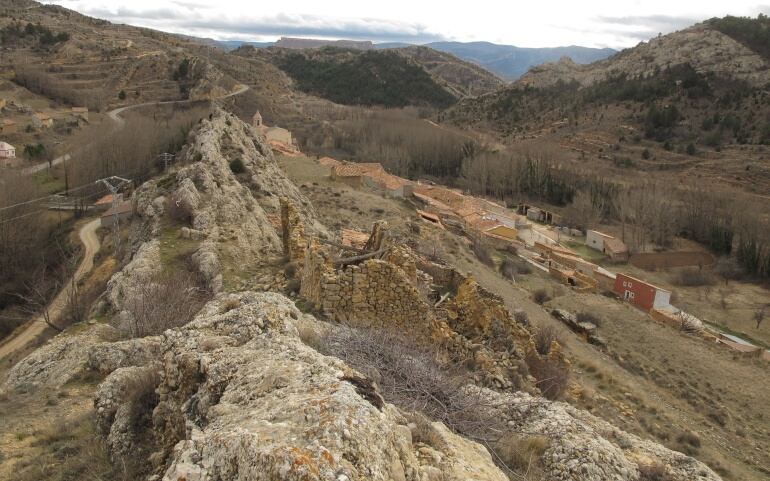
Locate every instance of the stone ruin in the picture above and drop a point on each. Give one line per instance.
(293, 235)
(388, 286)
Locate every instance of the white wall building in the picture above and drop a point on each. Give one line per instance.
(7, 151)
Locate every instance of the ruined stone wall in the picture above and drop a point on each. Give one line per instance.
(442, 275)
(481, 314)
(374, 293)
(294, 241)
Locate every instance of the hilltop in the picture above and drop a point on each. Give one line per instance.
(390, 78)
(680, 101)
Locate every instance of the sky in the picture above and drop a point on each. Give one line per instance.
(600, 23)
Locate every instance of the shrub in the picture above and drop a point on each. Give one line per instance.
(690, 149)
(541, 296)
(544, 336)
(521, 317)
(521, 454)
(552, 377)
(122, 95)
(169, 299)
(482, 253)
(646, 154)
(508, 268)
(237, 166)
(653, 472)
(411, 377)
(178, 210)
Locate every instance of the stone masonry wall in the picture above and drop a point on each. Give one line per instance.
(371, 294)
(294, 241)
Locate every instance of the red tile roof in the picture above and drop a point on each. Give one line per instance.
(356, 169)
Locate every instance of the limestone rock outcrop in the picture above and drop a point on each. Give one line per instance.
(241, 397)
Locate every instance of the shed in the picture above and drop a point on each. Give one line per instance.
(123, 212)
(595, 239)
(616, 249)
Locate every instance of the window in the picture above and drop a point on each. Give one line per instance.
(630, 295)
(629, 285)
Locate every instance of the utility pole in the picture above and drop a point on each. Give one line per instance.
(114, 184)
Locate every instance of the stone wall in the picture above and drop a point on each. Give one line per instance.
(294, 241)
(371, 294)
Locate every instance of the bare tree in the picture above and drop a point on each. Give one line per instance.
(36, 297)
(169, 299)
(759, 316)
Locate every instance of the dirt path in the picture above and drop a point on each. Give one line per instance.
(35, 327)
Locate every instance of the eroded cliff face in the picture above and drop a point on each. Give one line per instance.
(237, 394)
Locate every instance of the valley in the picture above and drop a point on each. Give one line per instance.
(338, 261)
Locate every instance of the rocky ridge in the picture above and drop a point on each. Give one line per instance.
(237, 394)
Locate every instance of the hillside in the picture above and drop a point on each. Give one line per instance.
(694, 99)
(355, 77)
(461, 78)
(707, 50)
(251, 385)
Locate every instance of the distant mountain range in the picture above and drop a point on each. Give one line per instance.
(506, 61)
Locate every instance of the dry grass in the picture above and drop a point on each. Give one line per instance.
(544, 336)
(522, 455)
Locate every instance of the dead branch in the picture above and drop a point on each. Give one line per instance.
(341, 246)
(362, 257)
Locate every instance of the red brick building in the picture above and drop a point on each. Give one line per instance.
(643, 295)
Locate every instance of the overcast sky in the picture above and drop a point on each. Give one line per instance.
(600, 23)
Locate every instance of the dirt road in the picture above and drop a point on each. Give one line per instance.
(114, 115)
(36, 326)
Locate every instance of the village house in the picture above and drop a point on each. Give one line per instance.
(123, 212)
(616, 250)
(643, 295)
(391, 185)
(272, 134)
(7, 151)
(613, 247)
(538, 215)
(8, 127)
(42, 121)
(279, 134)
(353, 174)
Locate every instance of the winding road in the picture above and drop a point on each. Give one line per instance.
(36, 326)
(114, 115)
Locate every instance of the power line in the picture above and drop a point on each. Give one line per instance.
(32, 201)
(28, 214)
(67, 192)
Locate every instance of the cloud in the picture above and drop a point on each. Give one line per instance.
(192, 17)
(642, 27)
(311, 25)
